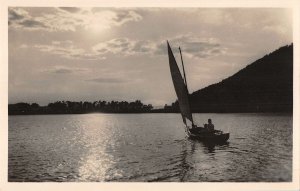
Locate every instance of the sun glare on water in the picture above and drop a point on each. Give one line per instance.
(96, 161)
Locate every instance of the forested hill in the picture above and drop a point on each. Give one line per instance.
(266, 85)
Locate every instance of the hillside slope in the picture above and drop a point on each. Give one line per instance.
(266, 85)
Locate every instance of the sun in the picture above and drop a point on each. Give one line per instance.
(100, 22)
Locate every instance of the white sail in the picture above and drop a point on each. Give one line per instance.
(180, 88)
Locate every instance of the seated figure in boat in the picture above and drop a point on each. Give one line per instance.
(210, 126)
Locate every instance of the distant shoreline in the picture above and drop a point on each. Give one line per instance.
(150, 112)
(71, 107)
(136, 107)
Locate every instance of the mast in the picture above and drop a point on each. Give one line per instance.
(183, 71)
(186, 84)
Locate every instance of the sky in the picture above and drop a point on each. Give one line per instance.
(90, 54)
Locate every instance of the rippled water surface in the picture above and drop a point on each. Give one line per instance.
(148, 147)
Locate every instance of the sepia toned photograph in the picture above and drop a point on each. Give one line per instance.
(150, 94)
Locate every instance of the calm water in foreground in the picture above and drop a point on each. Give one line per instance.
(147, 147)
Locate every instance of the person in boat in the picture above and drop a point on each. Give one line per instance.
(210, 126)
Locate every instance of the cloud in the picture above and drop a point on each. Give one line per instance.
(62, 71)
(277, 29)
(193, 46)
(70, 19)
(110, 80)
(16, 14)
(23, 46)
(124, 46)
(117, 76)
(70, 9)
(122, 16)
(32, 24)
(68, 50)
(20, 18)
(65, 70)
(267, 20)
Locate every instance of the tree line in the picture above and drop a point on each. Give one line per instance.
(71, 107)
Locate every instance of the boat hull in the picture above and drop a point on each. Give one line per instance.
(215, 138)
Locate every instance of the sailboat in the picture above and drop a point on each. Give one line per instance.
(181, 89)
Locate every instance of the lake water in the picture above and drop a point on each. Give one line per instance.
(148, 147)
